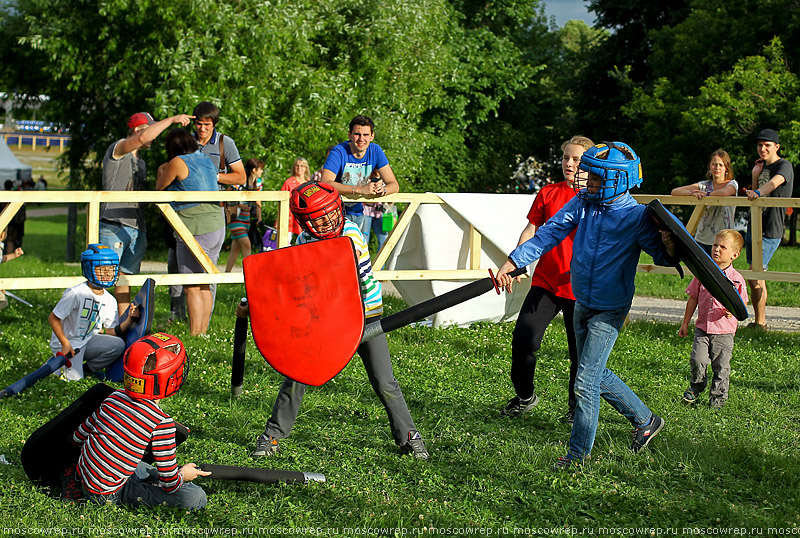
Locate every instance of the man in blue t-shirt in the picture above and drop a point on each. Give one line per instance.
(350, 164)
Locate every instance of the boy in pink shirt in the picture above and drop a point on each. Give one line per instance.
(715, 326)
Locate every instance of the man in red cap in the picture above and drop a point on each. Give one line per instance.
(122, 223)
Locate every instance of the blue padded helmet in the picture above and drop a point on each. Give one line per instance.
(98, 256)
(618, 166)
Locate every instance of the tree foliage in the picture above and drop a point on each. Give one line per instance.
(461, 90)
(287, 75)
(681, 79)
(728, 111)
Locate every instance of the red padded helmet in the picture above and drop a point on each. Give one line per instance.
(155, 367)
(318, 209)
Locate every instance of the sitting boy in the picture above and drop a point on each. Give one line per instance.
(611, 229)
(715, 326)
(318, 209)
(85, 321)
(16, 253)
(114, 438)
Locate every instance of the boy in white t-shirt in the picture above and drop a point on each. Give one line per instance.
(85, 321)
(16, 253)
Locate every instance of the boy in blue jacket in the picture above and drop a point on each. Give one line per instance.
(611, 229)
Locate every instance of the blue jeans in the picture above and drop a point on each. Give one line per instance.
(143, 489)
(127, 242)
(374, 225)
(769, 246)
(596, 332)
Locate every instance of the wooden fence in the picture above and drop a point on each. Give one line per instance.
(756, 208)
(470, 271)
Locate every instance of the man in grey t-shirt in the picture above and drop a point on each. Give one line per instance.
(122, 225)
(231, 171)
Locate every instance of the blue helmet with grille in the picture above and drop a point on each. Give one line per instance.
(100, 265)
(617, 167)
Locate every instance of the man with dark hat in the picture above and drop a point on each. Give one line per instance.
(774, 177)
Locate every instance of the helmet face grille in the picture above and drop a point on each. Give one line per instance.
(318, 209)
(177, 378)
(106, 275)
(100, 265)
(327, 226)
(607, 171)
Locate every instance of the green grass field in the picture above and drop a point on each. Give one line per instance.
(709, 469)
(737, 467)
(43, 161)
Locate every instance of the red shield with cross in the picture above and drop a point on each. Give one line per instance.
(306, 311)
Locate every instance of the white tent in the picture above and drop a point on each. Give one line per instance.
(438, 238)
(11, 167)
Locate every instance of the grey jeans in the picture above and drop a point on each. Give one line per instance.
(102, 350)
(375, 356)
(714, 350)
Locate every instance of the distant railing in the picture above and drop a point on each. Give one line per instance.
(470, 271)
(35, 140)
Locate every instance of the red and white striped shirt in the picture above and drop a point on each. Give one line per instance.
(114, 439)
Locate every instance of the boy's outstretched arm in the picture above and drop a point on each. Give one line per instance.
(503, 279)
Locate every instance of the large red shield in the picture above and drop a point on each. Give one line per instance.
(306, 311)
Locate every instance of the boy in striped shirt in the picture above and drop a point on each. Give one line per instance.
(128, 423)
(318, 209)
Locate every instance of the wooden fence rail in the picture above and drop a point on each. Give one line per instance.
(471, 270)
(756, 208)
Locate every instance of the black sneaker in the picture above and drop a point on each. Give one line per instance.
(644, 434)
(415, 446)
(689, 396)
(70, 487)
(568, 417)
(565, 462)
(516, 406)
(265, 446)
